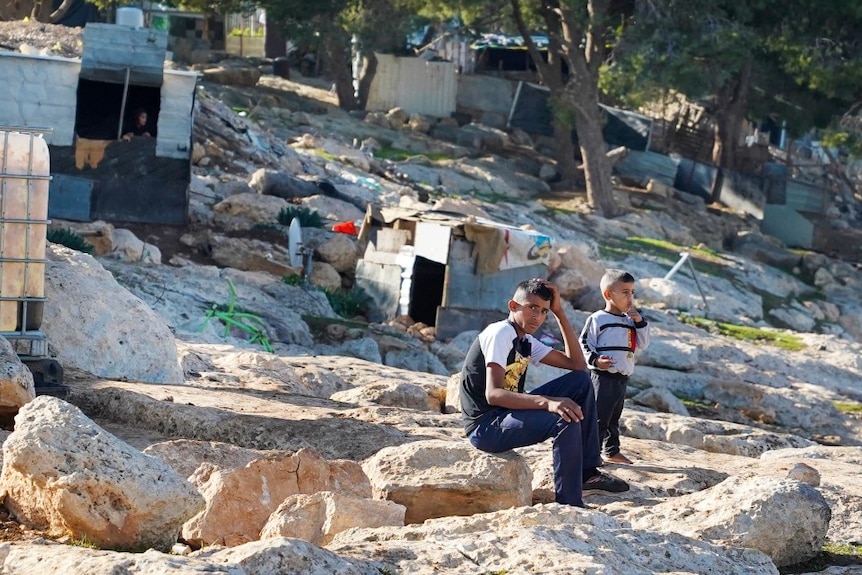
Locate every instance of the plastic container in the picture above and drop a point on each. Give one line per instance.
(24, 179)
(130, 16)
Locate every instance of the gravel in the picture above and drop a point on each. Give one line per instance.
(38, 38)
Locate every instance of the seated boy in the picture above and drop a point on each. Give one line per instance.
(499, 416)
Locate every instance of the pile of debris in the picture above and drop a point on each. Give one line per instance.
(39, 38)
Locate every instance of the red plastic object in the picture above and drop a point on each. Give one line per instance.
(345, 228)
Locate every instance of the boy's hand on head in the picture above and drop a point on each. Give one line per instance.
(556, 303)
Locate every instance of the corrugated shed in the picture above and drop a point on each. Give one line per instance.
(40, 92)
(175, 114)
(415, 85)
(109, 50)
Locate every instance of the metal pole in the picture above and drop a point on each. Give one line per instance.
(697, 283)
(677, 265)
(123, 105)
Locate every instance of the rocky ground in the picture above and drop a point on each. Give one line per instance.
(346, 389)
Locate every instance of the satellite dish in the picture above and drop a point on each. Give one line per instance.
(294, 243)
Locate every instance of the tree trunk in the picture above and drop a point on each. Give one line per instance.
(597, 166)
(583, 93)
(731, 102)
(337, 49)
(369, 69)
(564, 152)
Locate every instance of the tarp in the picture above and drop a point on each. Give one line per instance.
(78, 14)
(531, 112)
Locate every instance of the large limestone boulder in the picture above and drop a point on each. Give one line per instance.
(251, 255)
(94, 324)
(64, 474)
(255, 207)
(271, 557)
(786, 519)
(436, 478)
(340, 252)
(186, 455)
(16, 382)
(318, 517)
(239, 501)
(130, 248)
(553, 539)
(281, 556)
(390, 393)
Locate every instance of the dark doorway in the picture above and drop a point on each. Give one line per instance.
(426, 292)
(100, 104)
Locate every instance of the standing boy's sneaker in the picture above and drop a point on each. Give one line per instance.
(604, 482)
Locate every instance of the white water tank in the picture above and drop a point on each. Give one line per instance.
(130, 16)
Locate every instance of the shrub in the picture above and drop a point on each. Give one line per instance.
(68, 238)
(346, 303)
(307, 218)
(232, 316)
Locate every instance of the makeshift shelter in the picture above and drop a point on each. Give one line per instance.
(451, 271)
(87, 104)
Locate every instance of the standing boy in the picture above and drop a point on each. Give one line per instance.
(499, 416)
(609, 340)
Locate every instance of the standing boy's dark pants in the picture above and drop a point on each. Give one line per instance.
(610, 389)
(576, 445)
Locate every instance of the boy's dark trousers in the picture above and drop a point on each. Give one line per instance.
(576, 446)
(610, 391)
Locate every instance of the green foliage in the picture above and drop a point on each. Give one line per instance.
(68, 238)
(804, 56)
(787, 341)
(307, 218)
(347, 303)
(293, 280)
(233, 317)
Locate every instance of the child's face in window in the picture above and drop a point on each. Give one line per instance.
(142, 119)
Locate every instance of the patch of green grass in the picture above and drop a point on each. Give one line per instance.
(848, 406)
(66, 237)
(326, 155)
(399, 155)
(787, 341)
(832, 554)
(704, 260)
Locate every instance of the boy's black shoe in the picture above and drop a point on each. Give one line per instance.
(604, 482)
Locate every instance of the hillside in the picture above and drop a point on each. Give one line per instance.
(743, 418)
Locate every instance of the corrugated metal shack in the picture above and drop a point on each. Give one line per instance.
(88, 105)
(447, 270)
(416, 85)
